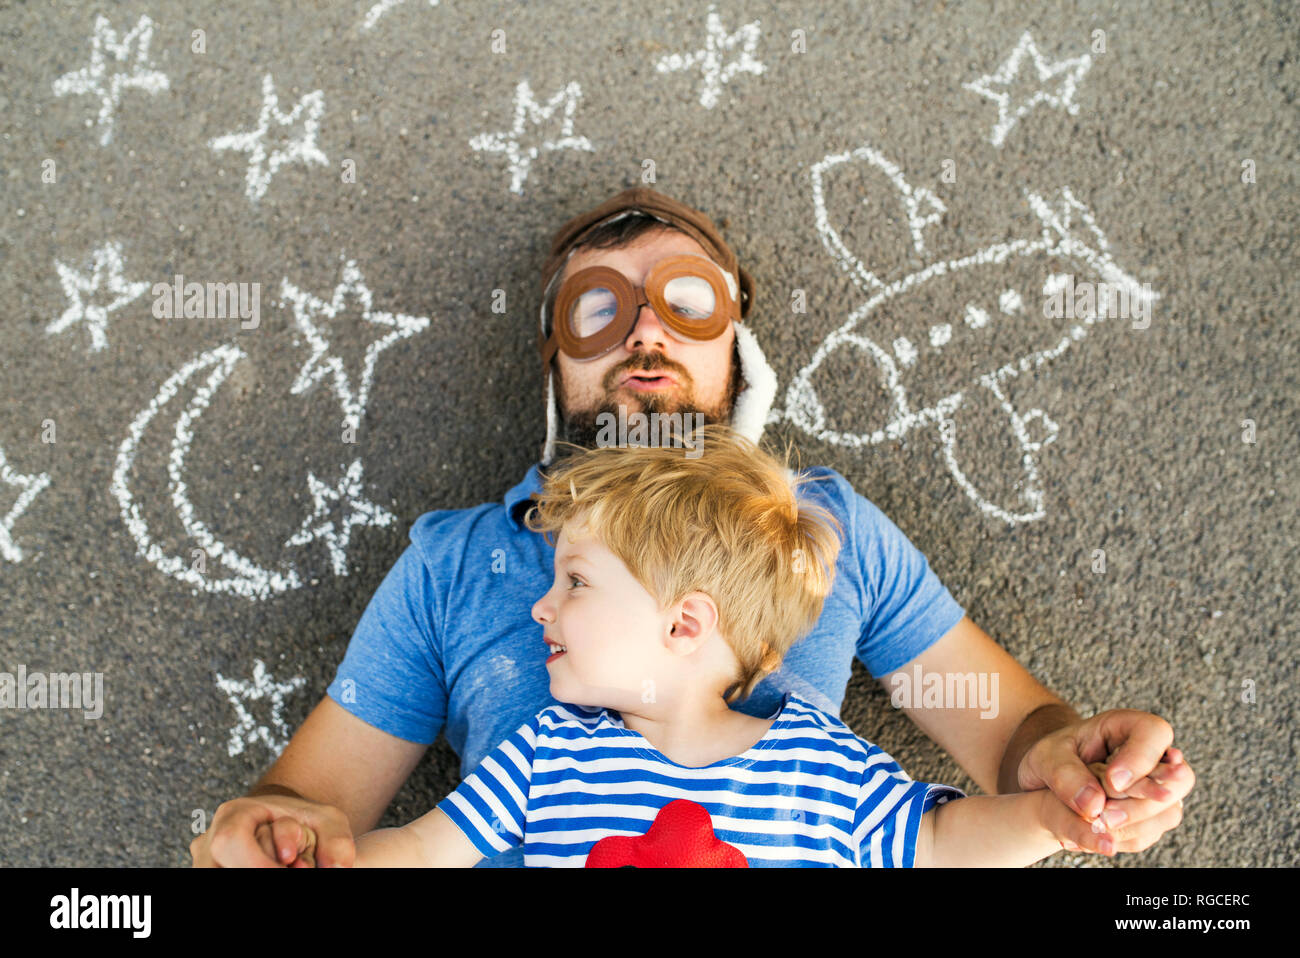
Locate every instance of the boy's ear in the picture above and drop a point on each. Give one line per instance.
(696, 618)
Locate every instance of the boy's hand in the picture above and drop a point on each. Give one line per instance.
(232, 840)
(288, 842)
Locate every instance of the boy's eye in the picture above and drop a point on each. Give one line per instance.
(574, 579)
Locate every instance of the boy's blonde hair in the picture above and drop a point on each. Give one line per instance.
(726, 523)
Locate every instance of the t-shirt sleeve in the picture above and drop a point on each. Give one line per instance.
(392, 676)
(890, 806)
(906, 608)
(490, 804)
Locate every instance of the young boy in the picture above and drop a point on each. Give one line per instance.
(679, 583)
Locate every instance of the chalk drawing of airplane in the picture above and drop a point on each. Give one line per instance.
(946, 341)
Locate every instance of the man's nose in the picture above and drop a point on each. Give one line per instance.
(647, 331)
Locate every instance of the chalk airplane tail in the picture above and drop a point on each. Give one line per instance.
(892, 226)
(985, 434)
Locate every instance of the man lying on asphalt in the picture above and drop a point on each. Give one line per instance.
(448, 642)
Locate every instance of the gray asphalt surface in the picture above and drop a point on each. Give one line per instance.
(1195, 611)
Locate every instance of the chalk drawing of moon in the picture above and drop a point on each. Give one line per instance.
(245, 578)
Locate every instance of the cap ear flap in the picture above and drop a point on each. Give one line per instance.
(746, 291)
(732, 286)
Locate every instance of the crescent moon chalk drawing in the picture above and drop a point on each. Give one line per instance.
(248, 579)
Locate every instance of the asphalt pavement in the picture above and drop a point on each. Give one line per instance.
(932, 200)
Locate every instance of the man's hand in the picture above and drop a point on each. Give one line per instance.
(254, 832)
(1144, 779)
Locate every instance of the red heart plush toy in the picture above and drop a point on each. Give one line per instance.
(681, 836)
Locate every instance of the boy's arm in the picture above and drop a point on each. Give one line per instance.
(990, 831)
(431, 841)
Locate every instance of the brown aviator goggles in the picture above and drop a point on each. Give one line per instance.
(597, 307)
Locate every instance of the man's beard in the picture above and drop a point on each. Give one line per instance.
(585, 427)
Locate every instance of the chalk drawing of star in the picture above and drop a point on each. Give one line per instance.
(31, 485)
(716, 45)
(357, 512)
(105, 275)
(262, 688)
(322, 363)
(528, 110)
(96, 80)
(303, 149)
(379, 9)
(1066, 75)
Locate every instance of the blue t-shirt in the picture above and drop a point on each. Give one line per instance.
(809, 793)
(448, 642)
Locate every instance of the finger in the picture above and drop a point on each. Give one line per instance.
(1074, 785)
(306, 849)
(265, 837)
(1071, 831)
(199, 853)
(1099, 769)
(1170, 782)
(234, 843)
(290, 839)
(1150, 789)
(332, 836)
(1143, 835)
(1137, 741)
(1178, 783)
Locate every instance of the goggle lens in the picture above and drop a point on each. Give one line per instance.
(690, 297)
(593, 311)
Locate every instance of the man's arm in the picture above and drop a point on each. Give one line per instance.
(337, 759)
(988, 749)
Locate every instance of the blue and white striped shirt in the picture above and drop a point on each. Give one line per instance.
(809, 793)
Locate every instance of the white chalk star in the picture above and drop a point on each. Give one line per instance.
(358, 512)
(248, 732)
(30, 486)
(716, 44)
(105, 274)
(303, 149)
(1069, 72)
(379, 9)
(95, 80)
(321, 363)
(527, 108)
